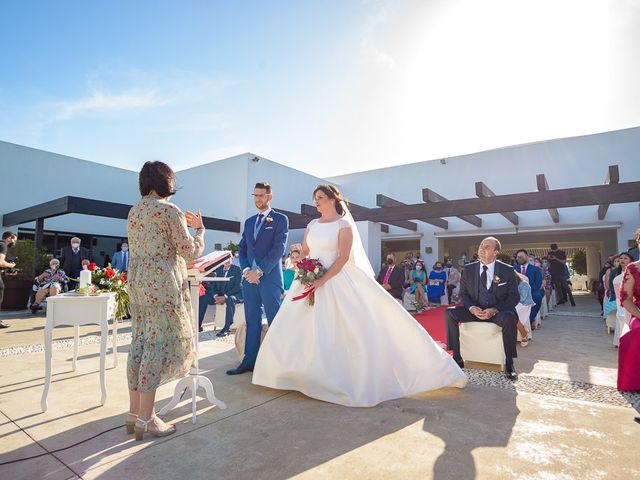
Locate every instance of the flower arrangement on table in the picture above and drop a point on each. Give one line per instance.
(110, 279)
(307, 271)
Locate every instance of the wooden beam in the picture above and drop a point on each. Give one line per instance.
(429, 196)
(613, 177)
(483, 191)
(296, 220)
(384, 201)
(518, 202)
(97, 208)
(543, 186)
(360, 213)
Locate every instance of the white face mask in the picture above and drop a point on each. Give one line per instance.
(125, 249)
(418, 267)
(75, 245)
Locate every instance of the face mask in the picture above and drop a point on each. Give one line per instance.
(449, 265)
(75, 245)
(389, 261)
(418, 267)
(439, 267)
(545, 263)
(125, 249)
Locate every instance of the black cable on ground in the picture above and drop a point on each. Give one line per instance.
(51, 452)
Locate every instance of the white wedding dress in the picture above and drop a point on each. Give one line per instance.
(357, 346)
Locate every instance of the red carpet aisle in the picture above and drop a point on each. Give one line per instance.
(433, 322)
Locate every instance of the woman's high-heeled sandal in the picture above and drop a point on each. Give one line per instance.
(129, 424)
(142, 426)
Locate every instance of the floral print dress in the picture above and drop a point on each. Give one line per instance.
(162, 336)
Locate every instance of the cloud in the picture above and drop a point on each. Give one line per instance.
(105, 101)
(372, 28)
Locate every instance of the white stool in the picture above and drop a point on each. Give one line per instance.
(407, 301)
(482, 342)
(622, 325)
(523, 312)
(217, 313)
(544, 308)
(610, 320)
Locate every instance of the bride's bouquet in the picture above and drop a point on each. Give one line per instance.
(308, 270)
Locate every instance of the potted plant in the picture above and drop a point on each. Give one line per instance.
(18, 286)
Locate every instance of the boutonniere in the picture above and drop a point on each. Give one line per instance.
(496, 279)
(269, 219)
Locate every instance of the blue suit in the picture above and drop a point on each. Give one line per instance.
(231, 290)
(265, 252)
(534, 274)
(120, 261)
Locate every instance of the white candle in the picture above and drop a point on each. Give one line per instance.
(85, 278)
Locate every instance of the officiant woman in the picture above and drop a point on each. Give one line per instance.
(162, 338)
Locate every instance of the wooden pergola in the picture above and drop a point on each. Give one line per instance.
(434, 208)
(86, 206)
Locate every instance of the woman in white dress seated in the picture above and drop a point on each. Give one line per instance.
(356, 346)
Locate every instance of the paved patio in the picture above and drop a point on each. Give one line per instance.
(563, 419)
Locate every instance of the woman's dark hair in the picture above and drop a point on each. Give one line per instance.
(159, 177)
(332, 192)
(626, 254)
(8, 234)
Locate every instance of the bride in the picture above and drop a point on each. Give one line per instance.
(357, 346)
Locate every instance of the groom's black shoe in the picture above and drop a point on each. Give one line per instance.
(511, 373)
(240, 370)
(459, 362)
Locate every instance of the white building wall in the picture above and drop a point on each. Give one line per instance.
(571, 162)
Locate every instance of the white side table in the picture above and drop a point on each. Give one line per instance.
(75, 310)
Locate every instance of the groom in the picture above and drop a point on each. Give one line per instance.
(260, 253)
(489, 291)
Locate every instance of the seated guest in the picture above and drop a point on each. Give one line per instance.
(609, 303)
(391, 277)
(526, 300)
(222, 293)
(418, 287)
(453, 280)
(49, 283)
(489, 291)
(121, 258)
(437, 284)
(534, 277)
(288, 273)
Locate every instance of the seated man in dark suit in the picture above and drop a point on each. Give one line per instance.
(221, 293)
(489, 291)
(391, 277)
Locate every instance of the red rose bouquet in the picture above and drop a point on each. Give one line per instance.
(307, 271)
(109, 279)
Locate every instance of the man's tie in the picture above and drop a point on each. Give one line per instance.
(126, 261)
(524, 269)
(257, 227)
(483, 276)
(387, 275)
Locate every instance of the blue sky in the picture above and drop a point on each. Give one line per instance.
(323, 86)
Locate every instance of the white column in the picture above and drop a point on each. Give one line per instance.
(593, 263)
(372, 242)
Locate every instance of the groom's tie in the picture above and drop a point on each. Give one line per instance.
(256, 229)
